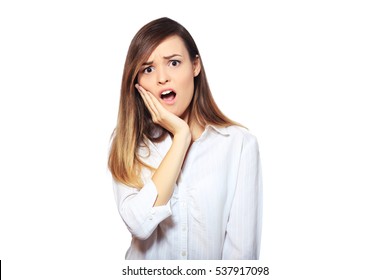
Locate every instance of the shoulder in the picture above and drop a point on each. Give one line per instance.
(238, 137)
(151, 153)
(245, 142)
(242, 134)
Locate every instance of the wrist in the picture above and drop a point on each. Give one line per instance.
(183, 136)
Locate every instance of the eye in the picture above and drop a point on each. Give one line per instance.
(148, 70)
(174, 63)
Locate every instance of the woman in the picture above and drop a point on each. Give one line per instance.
(187, 179)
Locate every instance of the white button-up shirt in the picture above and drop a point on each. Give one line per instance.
(216, 207)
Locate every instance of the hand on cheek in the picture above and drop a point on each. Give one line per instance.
(162, 116)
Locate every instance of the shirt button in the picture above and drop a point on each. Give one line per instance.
(153, 211)
(183, 253)
(150, 217)
(184, 228)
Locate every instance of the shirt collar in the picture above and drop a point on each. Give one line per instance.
(220, 129)
(163, 146)
(210, 128)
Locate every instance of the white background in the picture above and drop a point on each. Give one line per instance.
(309, 78)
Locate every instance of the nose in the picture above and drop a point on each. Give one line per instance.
(162, 77)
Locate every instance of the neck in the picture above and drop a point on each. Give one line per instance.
(196, 130)
(195, 127)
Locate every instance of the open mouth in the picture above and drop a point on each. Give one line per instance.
(168, 95)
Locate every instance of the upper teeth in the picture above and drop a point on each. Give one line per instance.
(165, 92)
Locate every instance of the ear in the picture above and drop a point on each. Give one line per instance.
(196, 66)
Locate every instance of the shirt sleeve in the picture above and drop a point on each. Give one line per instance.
(243, 232)
(137, 210)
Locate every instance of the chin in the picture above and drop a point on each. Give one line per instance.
(175, 111)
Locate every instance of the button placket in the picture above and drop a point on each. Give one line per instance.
(183, 203)
(152, 213)
(183, 222)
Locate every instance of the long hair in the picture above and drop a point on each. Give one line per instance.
(134, 124)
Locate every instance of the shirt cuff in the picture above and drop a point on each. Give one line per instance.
(148, 216)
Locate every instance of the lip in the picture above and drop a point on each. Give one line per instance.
(169, 102)
(170, 89)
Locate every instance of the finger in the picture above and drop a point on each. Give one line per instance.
(148, 100)
(151, 100)
(144, 98)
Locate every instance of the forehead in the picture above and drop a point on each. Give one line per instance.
(169, 46)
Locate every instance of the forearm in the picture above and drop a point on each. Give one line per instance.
(166, 174)
(136, 208)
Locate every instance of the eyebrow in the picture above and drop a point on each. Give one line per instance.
(165, 57)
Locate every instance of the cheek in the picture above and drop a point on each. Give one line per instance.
(187, 80)
(146, 84)
(141, 80)
(191, 84)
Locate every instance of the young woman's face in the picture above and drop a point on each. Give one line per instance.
(169, 75)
